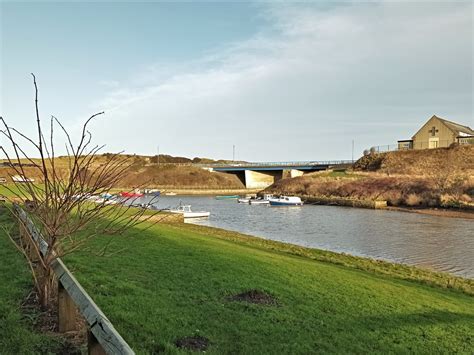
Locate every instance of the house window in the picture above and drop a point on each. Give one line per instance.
(433, 131)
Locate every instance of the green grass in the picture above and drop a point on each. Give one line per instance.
(17, 334)
(173, 281)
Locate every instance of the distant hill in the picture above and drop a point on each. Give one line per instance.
(145, 171)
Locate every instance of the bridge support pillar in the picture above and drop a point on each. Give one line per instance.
(260, 179)
(295, 173)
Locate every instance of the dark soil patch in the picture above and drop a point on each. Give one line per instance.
(255, 297)
(46, 321)
(194, 343)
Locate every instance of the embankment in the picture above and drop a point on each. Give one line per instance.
(190, 281)
(441, 178)
(170, 174)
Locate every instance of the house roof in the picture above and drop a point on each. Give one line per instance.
(456, 128)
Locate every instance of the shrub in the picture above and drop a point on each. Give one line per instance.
(413, 200)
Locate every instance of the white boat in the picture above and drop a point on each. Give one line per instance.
(286, 201)
(261, 201)
(243, 200)
(21, 178)
(185, 210)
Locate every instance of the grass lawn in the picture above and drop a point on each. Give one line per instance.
(173, 281)
(17, 335)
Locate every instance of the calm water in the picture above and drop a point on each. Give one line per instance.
(443, 244)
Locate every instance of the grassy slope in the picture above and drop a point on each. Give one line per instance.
(419, 162)
(142, 173)
(16, 327)
(172, 281)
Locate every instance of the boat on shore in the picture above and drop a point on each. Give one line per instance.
(286, 201)
(152, 192)
(186, 211)
(135, 193)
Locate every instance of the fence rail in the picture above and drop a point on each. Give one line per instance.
(102, 336)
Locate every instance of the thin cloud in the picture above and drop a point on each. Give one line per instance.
(303, 88)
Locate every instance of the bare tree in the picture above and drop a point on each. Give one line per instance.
(58, 193)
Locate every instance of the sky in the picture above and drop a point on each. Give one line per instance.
(282, 81)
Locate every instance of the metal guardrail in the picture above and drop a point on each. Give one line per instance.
(102, 336)
(286, 164)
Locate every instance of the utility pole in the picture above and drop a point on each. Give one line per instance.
(233, 152)
(352, 151)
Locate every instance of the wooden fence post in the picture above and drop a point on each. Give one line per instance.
(93, 346)
(67, 311)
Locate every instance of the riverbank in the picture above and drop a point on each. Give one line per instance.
(237, 293)
(380, 204)
(450, 213)
(242, 294)
(367, 189)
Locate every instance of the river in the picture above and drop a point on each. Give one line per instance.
(432, 242)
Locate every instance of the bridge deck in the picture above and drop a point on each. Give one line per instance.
(272, 166)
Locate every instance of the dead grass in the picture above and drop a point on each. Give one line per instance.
(144, 172)
(397, 191)
(420, 162)
(418, 178)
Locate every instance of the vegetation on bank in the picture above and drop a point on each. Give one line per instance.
(17, 317)
(144, 171)
(420, 162)
(178, 281)
(427, 178)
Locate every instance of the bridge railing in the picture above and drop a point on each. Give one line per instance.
(287, 163)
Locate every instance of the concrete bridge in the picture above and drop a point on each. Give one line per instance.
(261, 175)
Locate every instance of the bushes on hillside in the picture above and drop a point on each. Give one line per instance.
(397, 191)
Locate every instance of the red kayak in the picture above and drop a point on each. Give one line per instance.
(131, 194)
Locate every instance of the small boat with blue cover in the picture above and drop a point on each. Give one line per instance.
(286, 201)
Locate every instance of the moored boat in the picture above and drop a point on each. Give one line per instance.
(186, 211)
(265, 200)
(259, 201)
(286, 201)
(227, 197)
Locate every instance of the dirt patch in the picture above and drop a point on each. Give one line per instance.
(193, 343)
(46, 321)
(255, 297)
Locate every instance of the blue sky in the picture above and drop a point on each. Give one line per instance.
(281, 81)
